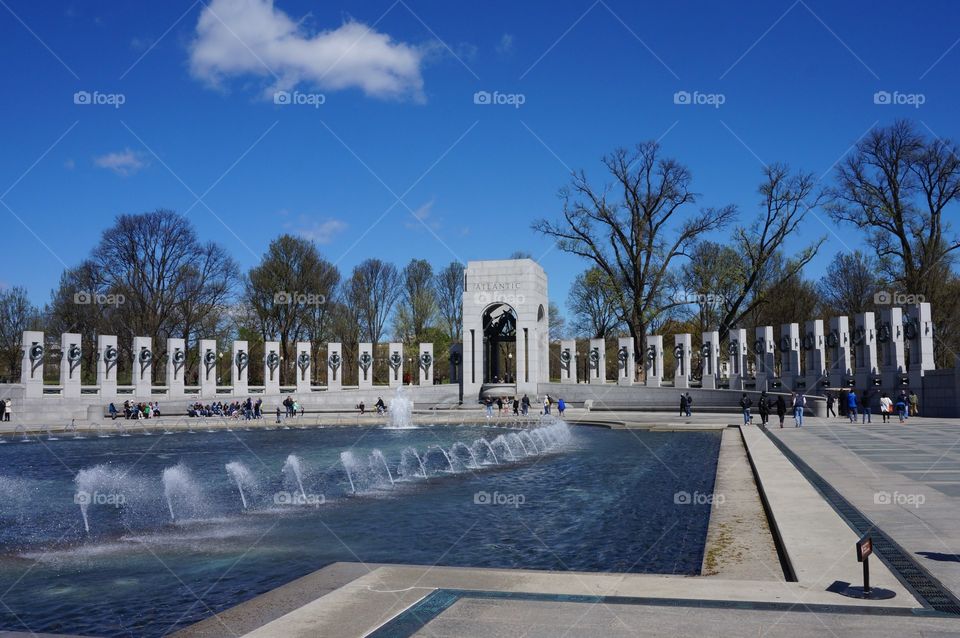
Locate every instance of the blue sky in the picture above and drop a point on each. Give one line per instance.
(198, 118)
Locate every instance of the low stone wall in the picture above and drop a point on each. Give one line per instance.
(53, 410)
(638, 397)
(940, 395)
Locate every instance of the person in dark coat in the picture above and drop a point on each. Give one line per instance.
(830, 400)
(781, 409)
(683, 404)
(745, 404)
(764, 408)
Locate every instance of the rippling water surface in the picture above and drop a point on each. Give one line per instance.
(142, 535)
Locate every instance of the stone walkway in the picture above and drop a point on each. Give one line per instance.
(904, 478)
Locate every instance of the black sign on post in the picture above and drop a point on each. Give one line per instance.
(864, 549)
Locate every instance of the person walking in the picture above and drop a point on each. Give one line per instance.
(525, 405)
(561, 406)
(763, 406)
(516, 406)
(781, 409)
(683, 404)
(799, 402)
(689, 403)
(546, 404)
(830, 401)
(901, 406)
(914, 404)
(488, 407)
(852, 405)
(866, 402)
(745, 404)
(3, 409)
(886, 407)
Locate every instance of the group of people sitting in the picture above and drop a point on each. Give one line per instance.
(134, 410)
(248, 409)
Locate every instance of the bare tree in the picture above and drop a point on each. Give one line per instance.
(288, 292)
(592, 301)
(418, 303)
(786, 200)
(634, 229)
(896, 187)
(16, 315)
(449, 293)
(373, 289)
(158, 280)
(850, 283)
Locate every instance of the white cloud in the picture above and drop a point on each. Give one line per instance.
(321, 232)
(505, 46)
(252, 37)
(123, 163)
(421, 218)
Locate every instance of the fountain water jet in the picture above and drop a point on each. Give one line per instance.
(401, 410)
(378, 455)
(292, 465)
(241, 475)
(405, 463)
(179, 487)
(349, 460)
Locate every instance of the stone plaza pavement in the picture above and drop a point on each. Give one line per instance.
(904, 478)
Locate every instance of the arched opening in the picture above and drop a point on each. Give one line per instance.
(499, 344)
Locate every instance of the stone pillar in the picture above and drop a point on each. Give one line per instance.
(303, 366)
(626, 364)
(108, 355)
(814, 357)
(176, 367)
(71, 354)
(426, 363)
(738, 351)
(31, 365)
(763, 351)
(568, 361)
(455, 356)
(395, 362)
(838, 346)
(143, 367)
(209, 358)
(919, 333)
(710, 355)
(790, 355)
(239, 368)
(365, 365)
(272, 361)
(682, 352)
(893, 367)
(597, 358)
(653, 360)
(864, 340)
